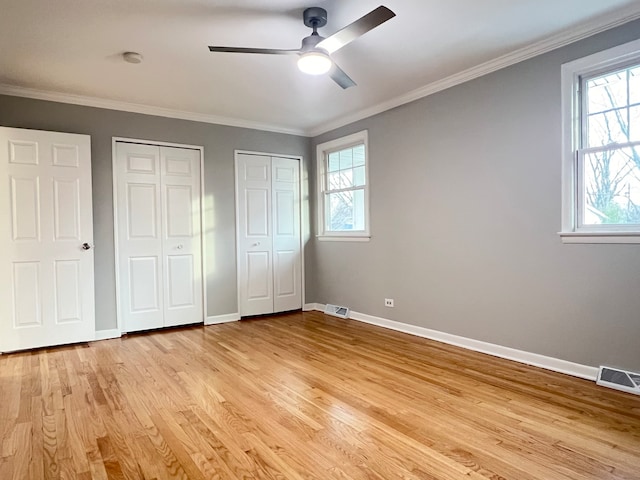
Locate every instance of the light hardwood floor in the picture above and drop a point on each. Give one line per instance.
(303, 396)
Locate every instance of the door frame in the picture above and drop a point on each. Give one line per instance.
(305, 234)
(114, 140)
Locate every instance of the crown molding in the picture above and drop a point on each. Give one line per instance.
(582, 31)
(96, 102)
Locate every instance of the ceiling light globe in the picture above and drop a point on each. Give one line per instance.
(314, 63)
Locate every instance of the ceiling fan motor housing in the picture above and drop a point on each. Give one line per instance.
(309, 43)
(315, 17)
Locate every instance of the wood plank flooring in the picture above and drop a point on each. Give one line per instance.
(303, 396)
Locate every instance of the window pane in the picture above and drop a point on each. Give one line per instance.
(358, 155)
(607, 128)
(345, 211)
(358, 210)
(634, 85)
(334, 161)
(611, 192)
(634, 124)
(341, 179)
(358, 176)
(346, 158)
(334, 181)
(340, 212)
(346, 178)
(606, 92)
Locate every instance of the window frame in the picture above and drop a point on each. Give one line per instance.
(322, 155)
(573, 106)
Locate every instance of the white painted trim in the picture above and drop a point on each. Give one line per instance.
(304, 229)
(237, 229)
(116, 253)
(309, 307)
(87, 101)
(548, 363)
(203, 248)
(604, 237)
(218, 319)
(156, 143)
(584, 30)
(333, 238)
(203, 241)
(107, 334)
(267, 154)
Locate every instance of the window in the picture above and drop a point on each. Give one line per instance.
(601, 172)
(343, 189)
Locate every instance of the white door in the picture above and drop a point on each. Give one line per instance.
(46, 270)
(139, 225)
(181, 245)
(269, 261)
(255, 242)
(159, 236)
(287, 268)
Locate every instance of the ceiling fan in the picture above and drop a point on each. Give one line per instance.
(316, 50)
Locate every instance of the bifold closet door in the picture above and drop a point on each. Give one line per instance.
(269, 260)
(255, 247)
(159, 236)
(287, 262)
(46, 240)
(182, 236)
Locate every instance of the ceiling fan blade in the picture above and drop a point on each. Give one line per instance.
(358, 28)
(341, 78)
(268, 51)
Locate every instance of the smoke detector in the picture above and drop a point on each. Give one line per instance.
(132, 57)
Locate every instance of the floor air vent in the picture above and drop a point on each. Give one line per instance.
(619, 379)
(336, 311)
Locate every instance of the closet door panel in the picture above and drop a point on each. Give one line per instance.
(139, 224)
(255, 261)
(287, 264)
(182, 246)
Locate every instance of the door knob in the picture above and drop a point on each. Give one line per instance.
(86, 246)
(180, 247)
(256, 244)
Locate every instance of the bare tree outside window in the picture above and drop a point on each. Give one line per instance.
(345, 189)
(611, 148)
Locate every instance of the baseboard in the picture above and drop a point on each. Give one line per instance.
(308, 307)
(226, 318)
(528, 358)
(107, 334)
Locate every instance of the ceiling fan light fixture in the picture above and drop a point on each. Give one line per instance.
(314, 53)
(314, 63)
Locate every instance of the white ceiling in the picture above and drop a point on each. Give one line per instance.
(70, 50)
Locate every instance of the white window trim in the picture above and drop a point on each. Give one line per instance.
(321, 151)
(571, 72)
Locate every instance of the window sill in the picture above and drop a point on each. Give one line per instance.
(600, 237)
(343, 238)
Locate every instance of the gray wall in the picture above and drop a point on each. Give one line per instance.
(465, 210)
(219, 143)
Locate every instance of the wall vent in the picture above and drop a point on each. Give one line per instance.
(619, 379)
(336, 311)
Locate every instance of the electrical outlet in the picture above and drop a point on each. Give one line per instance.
(388, 302)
